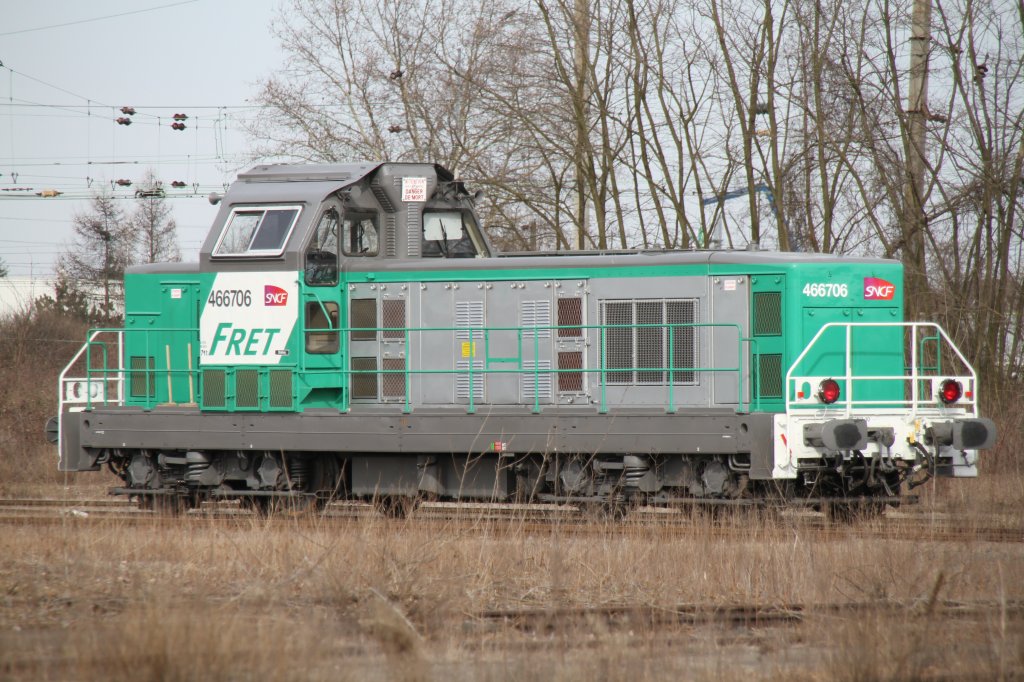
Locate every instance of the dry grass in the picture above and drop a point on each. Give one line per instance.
(194, 598)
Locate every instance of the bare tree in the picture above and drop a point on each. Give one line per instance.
(103, 247)
(153, 224)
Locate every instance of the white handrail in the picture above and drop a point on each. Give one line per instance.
(63, 381)
(915, 377)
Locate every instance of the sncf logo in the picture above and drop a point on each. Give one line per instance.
(876, 289)
(274, 295)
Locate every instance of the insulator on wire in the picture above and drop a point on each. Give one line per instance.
(180, 117)
(124, 182)
(178, 126)
(177, 183)
(130, 111)
(122, 120)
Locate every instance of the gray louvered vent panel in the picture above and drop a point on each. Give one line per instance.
(390, 236)
(536, 314)
(413, 233)
(382, 196)
(462, 379)
(541, 380)
(469, 314)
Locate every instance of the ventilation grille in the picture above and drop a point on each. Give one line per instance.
(414, 234)
(541, 381)
(280, 388)
(393, 379)
(769, 367)
(143, 383)
(651, 339)
(570, 317)
(364, 385)
(536, 314)
(768, 313)
(382, 197)
(570, 382)
(392, 316)
(247, 388)
(462, 379)
(469, 315)
(390, 239)
(364, 316)
(213, 388)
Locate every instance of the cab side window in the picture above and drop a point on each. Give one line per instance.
(445, 235)
(359, 234)
(322, 254)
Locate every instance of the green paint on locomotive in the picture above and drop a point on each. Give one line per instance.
(245, 359)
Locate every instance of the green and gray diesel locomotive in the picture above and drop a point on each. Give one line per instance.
(348, 333)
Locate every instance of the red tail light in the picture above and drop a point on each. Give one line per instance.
(950, 391)
(828, 391)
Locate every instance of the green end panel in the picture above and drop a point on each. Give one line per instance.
(214, 385)
(247, 388)
(281, 397)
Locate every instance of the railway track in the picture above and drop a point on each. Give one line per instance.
(927, 526)
(547, 620)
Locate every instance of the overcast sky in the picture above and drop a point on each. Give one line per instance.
(68, 68)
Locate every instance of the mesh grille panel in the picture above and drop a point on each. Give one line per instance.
(392, 313)
(618, 342)
(364, 315)
(143, 383)
(570, 382)
(767, 313)
(539, 383)
(644, 350)
(770, 369)
(684, 340)
(650, 348)
(280, 388)
(213, 388)
(536, 314)
(247, 388)
(570, 314)
(393, 380)
(364, 386)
